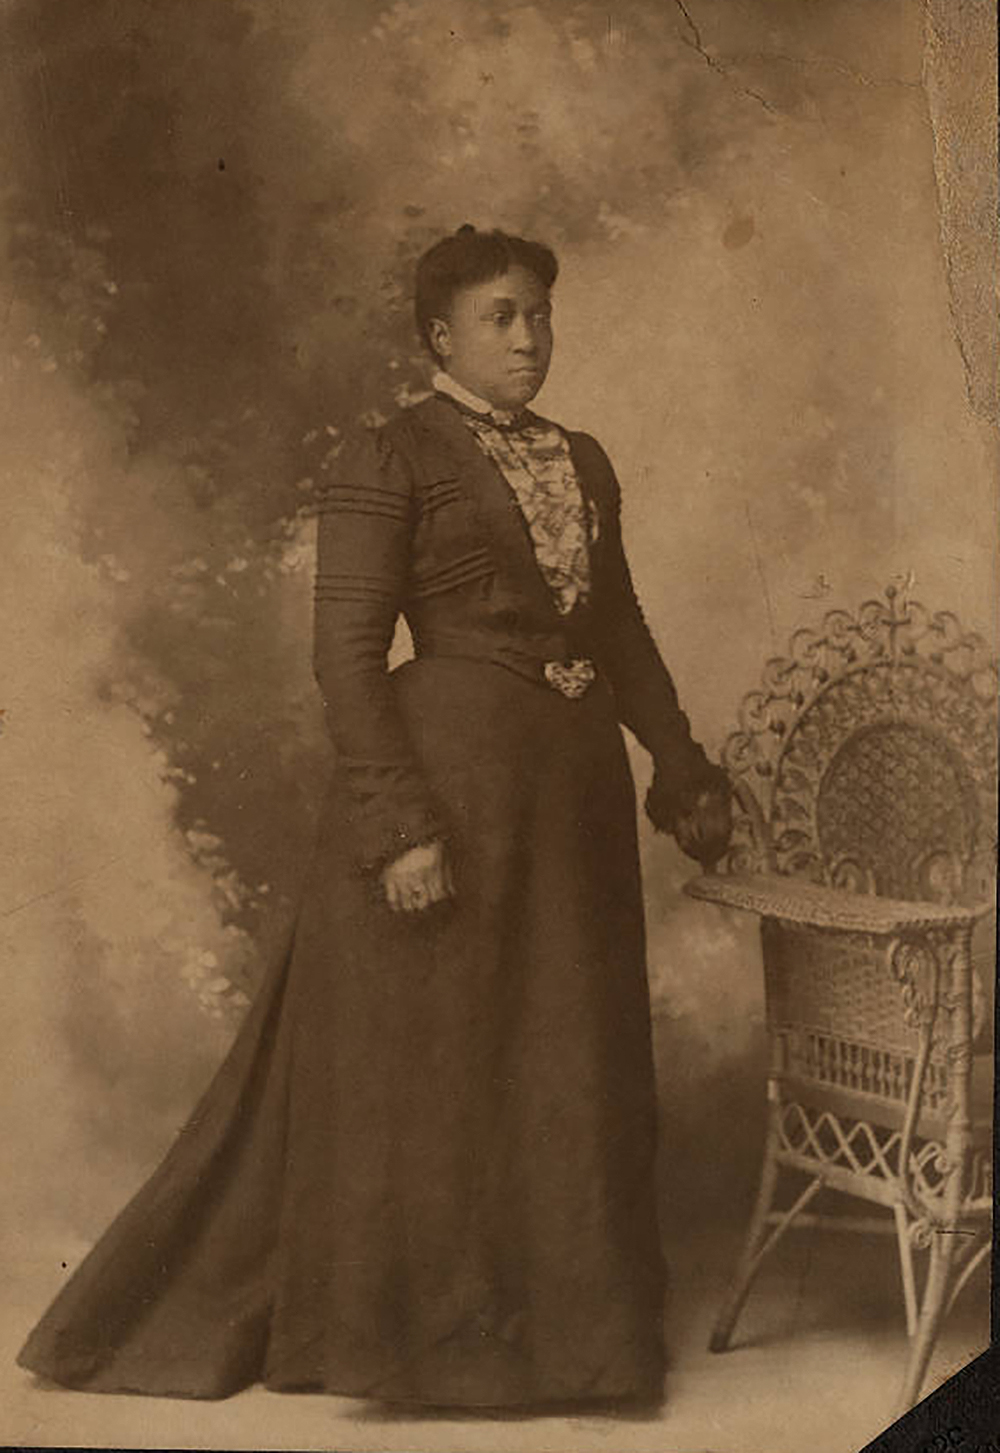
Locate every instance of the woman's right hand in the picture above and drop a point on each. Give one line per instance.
(418, 878)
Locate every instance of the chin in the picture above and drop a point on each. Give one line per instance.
(522, 391)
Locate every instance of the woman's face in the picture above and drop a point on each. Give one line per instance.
(497, 338)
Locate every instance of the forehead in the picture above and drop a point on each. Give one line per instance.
(517, 287)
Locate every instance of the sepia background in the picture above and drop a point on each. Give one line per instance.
(775, 310)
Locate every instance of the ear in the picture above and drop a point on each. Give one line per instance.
(439, 335)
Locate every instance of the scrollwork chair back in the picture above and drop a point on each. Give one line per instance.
(867, 759)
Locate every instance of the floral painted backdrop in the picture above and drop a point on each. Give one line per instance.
(212, 244)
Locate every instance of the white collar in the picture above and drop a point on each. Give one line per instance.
(445, 384)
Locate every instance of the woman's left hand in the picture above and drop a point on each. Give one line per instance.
(703, 830)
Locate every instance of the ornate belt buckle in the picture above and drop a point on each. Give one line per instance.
(572, 678)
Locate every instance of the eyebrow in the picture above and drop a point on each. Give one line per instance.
(512, 302)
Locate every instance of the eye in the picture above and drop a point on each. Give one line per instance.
(501, 319)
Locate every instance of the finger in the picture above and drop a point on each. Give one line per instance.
(692, 842)
(688, 845)
(687, 828)
(449, 879)
(681, 825)
(694, 826)
(419, 894)
(392, 893)
(438, 886)
(406, 890)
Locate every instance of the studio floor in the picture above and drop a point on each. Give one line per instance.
(819, 1353)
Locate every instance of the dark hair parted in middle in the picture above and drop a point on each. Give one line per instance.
(467, 257)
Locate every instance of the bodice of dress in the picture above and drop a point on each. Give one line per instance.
(534, 457)
(417, 517)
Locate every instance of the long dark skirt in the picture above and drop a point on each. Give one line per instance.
(425, 1170)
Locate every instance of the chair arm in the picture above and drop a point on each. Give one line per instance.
(795, 900)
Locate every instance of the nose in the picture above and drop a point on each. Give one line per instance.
(523, 336)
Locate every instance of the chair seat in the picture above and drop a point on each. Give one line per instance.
(795, 900)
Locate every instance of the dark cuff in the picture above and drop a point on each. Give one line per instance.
(381, 837)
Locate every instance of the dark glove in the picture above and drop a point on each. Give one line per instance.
(699, 813)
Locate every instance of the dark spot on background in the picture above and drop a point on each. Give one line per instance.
(738, 233)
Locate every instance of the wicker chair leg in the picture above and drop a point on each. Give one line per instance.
(906, 1267)
(751, 1257)
(935, 1301)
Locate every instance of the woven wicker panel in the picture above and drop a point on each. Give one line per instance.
(833, 983)
(896, 812)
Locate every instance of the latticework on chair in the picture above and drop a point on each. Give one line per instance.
(865, 770)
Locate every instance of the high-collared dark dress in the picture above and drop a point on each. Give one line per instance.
(425, 1170)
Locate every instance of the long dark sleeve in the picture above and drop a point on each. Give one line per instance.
(644, 689)
(363, 554)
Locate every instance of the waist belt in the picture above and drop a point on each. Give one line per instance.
(571, 676)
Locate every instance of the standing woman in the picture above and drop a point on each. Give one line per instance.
(425, 1170)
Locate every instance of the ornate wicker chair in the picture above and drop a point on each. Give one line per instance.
(865, 771)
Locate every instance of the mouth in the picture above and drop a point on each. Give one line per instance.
(526, 370)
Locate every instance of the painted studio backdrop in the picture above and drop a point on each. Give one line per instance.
(771, 311)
